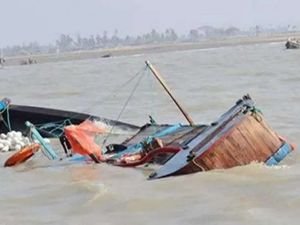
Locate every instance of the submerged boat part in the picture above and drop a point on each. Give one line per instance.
(49, 122)
(46, 147)
(237, 138)
(282, 152)
(22, 155)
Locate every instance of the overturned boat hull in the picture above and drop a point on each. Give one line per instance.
(49, 122)
(239, 137)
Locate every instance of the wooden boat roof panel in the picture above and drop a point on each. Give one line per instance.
(178, 137)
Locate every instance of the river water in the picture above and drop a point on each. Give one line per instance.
(207, 82)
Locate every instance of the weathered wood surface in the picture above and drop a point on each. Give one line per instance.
(250, 140)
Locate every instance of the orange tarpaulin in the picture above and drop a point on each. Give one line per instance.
(81, 138)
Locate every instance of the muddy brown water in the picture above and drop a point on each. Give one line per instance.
(207, 82)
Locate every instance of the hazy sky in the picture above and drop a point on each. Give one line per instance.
(23, 21)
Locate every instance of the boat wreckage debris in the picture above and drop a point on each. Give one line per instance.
(12, 141)
(238, 137)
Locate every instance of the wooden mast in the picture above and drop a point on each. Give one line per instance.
(167, 89)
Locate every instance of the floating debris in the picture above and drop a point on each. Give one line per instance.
(13, 141)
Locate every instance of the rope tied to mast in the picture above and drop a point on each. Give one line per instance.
(141, 74)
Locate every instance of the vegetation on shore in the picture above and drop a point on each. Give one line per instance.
(69, 43)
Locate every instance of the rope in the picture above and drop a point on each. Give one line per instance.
(8, 119)
(56, 126)
(255, 112)
(192, 158)
(59, 125)
(197, 164)
(123, 108)
(6, 123)
(112, 94)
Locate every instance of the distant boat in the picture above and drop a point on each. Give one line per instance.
(106, 55)
(292, 43)
(28, 61)
(2, 61)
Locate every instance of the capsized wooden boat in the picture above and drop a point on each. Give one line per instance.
(49, 122)
(238, 137)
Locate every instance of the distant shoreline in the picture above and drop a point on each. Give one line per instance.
(153, 48)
